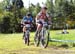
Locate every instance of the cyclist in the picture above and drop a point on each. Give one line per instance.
(26, 22)
(41, 18)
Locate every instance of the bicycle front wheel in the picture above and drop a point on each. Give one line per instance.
(44, 38)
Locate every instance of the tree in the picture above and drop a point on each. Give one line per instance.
(60, 10)
(13, 16)
(37, 8)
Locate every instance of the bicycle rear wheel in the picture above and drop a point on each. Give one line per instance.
(37, 40)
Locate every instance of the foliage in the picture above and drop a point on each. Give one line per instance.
(62, 12)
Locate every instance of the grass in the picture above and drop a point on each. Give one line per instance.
(69, 36)
(13, 43)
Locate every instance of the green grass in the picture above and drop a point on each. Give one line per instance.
(13, 43)
(56, 35)
(70, 36)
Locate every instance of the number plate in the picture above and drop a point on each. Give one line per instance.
(27, 25)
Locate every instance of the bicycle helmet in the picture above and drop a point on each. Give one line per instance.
(28, 14)
(44, 7)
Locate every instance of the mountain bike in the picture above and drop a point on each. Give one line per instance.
(27, 34)
(43, 36)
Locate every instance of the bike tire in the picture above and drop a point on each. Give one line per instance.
(25, 39)
(37, 40)
(43, 43)
(28, 41)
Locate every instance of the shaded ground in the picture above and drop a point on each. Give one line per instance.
(38, 50)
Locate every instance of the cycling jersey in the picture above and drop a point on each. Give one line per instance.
(43, 15)
(27, 20)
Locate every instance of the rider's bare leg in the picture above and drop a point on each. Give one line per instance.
(38, 29)
(24, 30)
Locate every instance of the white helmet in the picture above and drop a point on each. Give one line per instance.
(44, 7)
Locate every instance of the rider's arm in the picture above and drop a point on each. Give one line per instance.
(32, 21)
(37, 17)
(23, 20)
(49, 18)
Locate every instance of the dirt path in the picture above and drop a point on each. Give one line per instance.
(39, 50)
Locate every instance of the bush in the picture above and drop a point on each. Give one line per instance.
(9, 24)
